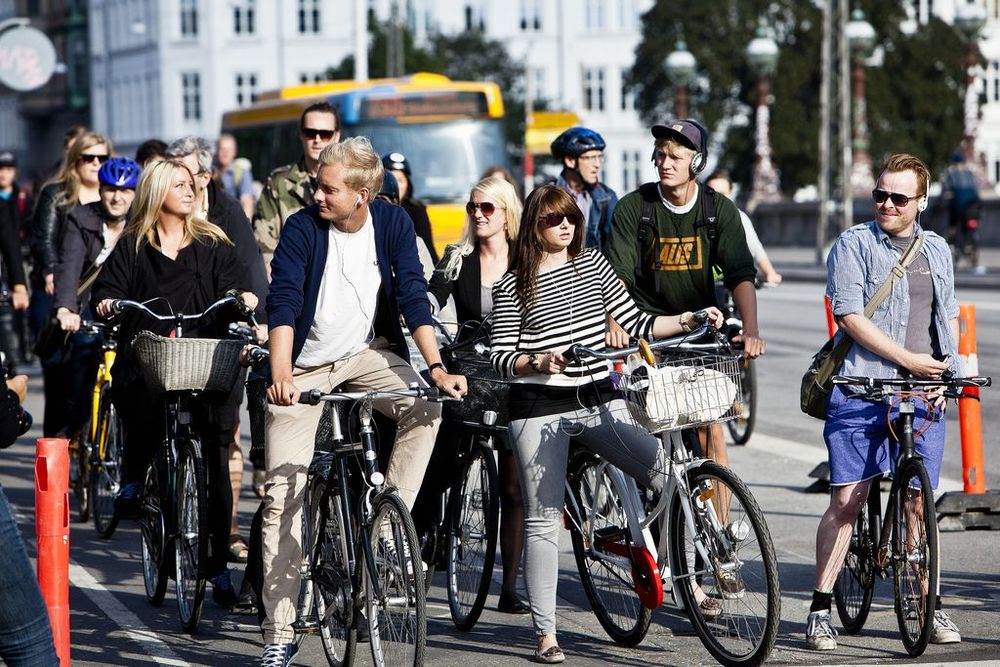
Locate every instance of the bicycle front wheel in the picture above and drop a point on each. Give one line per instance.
(105, 474)
(741, 428)
(915, 555)
(80, 451)
(397, 616)
(191, 545)
(856, 582)
(723, 562)
(473, 514)
(152, 534)
(331, 582)
(604, 555)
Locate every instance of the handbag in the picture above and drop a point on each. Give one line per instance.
(51, 338)
(817, 383)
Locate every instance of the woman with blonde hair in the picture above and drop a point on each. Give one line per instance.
(173, 261)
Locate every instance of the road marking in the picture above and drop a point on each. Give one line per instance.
(134, 629)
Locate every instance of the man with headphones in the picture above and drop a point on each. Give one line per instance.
(914, 331)
(667, 236)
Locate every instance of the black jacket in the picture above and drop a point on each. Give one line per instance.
(82, 242)
(226, 212)
(421, 223)
(10, 241)
(466, 288)
(46, 229)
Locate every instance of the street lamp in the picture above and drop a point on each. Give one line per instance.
(762, 57)
(861, 42)
(970, 18)
(680, 66)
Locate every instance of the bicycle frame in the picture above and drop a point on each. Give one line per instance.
(98, 429)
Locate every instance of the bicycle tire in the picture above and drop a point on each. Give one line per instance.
(80, 451)
(398, 621)
(741, 428)
(855, 584)
(152, 536)
(105, 473)
(755, 582)
(333, 590)
(607, 578)
(473, 519)
(191, 543)
(915, 551)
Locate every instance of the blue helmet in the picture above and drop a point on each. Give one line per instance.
(575, 141)
(119, 172)
(390, 187)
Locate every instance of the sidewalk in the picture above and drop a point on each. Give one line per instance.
(799, 264)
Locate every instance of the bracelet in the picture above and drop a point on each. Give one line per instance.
(685, 326)
(436, 364)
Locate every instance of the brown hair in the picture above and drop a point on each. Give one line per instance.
(906, 162)
(528, 247)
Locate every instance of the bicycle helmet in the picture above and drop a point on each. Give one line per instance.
(390, 187)
(576, 141)
(396, 162)
(119, 172)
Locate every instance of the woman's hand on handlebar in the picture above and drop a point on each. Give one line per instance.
(712, 315)
(249, 300)
(68, 320)
(105, 308)
(283, 392)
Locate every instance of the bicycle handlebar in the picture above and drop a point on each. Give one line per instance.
(316, 396)
(681, 342)
(120, 305)
(877, 388)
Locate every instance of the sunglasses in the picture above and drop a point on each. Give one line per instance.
(486, 207)
(555, 219)
(88, 157)
(311, 133)
(898, 200)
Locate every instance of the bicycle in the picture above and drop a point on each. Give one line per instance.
(741, 427)
(174, 505)
(908, 542)
(711, 542)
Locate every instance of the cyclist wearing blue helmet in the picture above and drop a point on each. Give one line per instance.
(581, 151)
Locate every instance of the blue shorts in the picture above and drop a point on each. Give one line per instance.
(860, 447)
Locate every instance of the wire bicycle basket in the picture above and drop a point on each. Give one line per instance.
(187, 364)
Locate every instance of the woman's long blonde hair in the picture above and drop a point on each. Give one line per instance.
(503, 195)
(157, 179)
(66, 176)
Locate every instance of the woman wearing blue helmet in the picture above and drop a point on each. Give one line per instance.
(581, 151)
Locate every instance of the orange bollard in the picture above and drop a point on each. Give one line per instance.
(831, 323)
(970, 420)
(52, 532)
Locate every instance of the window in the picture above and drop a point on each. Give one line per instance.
(312, 77)
(309, 16)
(991, 81)
(246, 89)
(189, 18)
(531, 15)
(595, 15)
(244, 17)
(593, 88)
(628, 95)
(631, 170)
(474, 18)
(191, 95)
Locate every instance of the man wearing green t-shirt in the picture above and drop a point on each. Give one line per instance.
(667, 263)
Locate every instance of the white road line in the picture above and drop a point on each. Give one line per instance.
(134, 629)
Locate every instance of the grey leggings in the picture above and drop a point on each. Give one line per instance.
(541, 445)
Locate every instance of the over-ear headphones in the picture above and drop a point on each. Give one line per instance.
(700, 159)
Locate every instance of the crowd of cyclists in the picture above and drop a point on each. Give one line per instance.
(335, 271)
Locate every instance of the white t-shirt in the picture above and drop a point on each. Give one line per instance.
(348, 295)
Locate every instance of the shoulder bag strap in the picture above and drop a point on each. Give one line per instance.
(897, 272)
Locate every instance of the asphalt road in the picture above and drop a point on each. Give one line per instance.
(112, 623)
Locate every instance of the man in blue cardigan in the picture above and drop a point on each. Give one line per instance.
(344, 271)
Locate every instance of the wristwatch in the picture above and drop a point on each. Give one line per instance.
(534, 363)
(436, 364)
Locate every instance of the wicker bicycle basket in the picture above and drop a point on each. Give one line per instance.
(683, 392)
(187, 364)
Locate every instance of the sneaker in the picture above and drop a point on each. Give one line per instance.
(730, 583)
(944, 631)
(820, 635)
(128, 502)
(278, 655)
(223, 593)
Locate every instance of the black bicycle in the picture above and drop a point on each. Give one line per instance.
(907, 543)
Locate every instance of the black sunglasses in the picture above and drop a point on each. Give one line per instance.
(555, 219)
(312, 133)
(88, 157)
(898, 200)
(486, 207)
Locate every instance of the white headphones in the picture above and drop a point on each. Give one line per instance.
(358, 202)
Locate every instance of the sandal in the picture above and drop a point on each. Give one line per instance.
(239, 552)
(550, 656)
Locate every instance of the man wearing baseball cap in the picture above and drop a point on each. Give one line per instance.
(668, 236)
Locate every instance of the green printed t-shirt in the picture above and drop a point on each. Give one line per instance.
(679, 277)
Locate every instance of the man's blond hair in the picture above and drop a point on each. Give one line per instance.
(670, 144)
(906, 162)
(363, 164)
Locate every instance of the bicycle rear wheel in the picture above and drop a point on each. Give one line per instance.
(105, 473)
(733, 597)
(915, 555)
(397, 619)
(856, 582)
(473, 515)
(191, 545)
(80, 453)
(331, 582)
(604, 555)
(152, 534)
(741, 428)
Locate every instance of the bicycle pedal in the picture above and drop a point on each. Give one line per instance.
(308, 625)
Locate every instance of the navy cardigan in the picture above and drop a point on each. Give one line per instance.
(300, 258)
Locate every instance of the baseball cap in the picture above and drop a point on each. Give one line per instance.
(685, 131)
(7, 159)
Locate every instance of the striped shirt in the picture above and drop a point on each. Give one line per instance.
(570, 306)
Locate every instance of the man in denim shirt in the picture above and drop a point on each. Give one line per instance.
(909, 333)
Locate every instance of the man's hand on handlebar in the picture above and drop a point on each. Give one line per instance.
(68, 320)
(283, 392)
(455, 386)
(925, 366)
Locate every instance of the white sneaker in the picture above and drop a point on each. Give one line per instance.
(944, 631)
(820, 635)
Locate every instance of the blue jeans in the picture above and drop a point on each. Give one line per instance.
(25, 633)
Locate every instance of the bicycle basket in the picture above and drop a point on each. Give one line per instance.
(682, 392)
(187, 364)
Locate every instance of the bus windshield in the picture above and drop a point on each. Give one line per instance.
(446, 158)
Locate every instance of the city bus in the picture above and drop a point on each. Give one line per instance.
(450, 131)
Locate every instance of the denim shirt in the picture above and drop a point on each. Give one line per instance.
(602, 205)
(860, 261)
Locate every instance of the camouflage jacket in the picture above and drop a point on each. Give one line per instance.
(287, 190)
